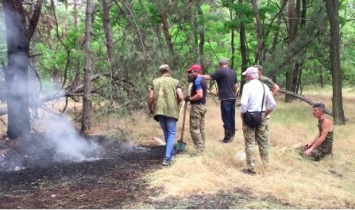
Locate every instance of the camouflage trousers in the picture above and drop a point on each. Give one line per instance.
(317, 154)
(197, 125)
(267, 132)
(258, 135)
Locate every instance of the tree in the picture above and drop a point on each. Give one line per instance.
(259, 29)
(85, 123)
(108, 32)
(333, 14)
(18, 39)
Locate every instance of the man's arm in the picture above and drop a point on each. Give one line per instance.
(236, 87)
(270, 99)
(180, 95)
(308, 145)
(326, 126)
(207, 76)
(197, 96)
(244, 101)
(150, 101)
(275, 89)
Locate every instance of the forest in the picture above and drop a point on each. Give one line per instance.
(105, 53)
(109, 50)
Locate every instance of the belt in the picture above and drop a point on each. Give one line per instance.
(198, 103)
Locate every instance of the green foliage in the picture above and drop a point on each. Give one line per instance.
(3, 45)
(140, 45)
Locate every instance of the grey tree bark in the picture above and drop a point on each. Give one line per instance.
(85, 123)
(337, 99)
(259, 29)
(243, 49)
(18, 39)
(108, 32)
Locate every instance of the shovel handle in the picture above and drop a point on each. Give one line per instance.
(185, 108)
(183, 119)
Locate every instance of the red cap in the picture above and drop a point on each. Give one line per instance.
(194, 67)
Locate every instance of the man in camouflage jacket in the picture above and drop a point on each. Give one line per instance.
(163, 103)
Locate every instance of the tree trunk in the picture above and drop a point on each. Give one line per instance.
(85, 124)
(259, 29)
(16, 73)
(332, 11)
(75, 2)
(108, 32)
(166, 33)
(275, 39)
(290, 74)
(232, 18)
(201, 31)
(243, 49)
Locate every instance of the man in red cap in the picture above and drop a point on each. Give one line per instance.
(198, 108)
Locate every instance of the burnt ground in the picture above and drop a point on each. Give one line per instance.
(39, 180)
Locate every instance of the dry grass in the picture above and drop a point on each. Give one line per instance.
(289, 178)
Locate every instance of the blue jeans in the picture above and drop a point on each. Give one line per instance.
(228, 114)
(168, 125)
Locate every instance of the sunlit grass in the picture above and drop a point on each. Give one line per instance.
(288, 178)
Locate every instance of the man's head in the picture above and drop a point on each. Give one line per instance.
(223, 63)
(318, 109)
(164, 69)
(260, 68)
(251, 73)
(193, 71)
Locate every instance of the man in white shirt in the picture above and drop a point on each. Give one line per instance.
(254, 96)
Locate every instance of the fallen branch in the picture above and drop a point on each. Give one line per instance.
(308, 101)
(302, 98)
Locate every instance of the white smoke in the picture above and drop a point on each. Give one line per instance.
(67, 143)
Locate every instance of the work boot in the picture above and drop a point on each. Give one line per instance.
(227, 136)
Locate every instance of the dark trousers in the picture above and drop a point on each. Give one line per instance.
(228, 114)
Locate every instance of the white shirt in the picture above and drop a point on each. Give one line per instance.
(252, 97)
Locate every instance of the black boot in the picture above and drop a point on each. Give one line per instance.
(227, 136)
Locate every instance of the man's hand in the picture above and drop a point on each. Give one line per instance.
(187, 98)
(308, 152)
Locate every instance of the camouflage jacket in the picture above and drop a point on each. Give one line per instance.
(165, 97)
(267, 81)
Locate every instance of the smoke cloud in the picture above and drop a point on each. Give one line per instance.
(67, 143)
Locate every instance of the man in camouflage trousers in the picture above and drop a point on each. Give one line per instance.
(254, 94)
(198, 108)
(322, 143)
(163, 103)
(274, 88)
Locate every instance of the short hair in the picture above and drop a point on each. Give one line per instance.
(223, 61)
(260, 68)
(164, 67)
(320, 106)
